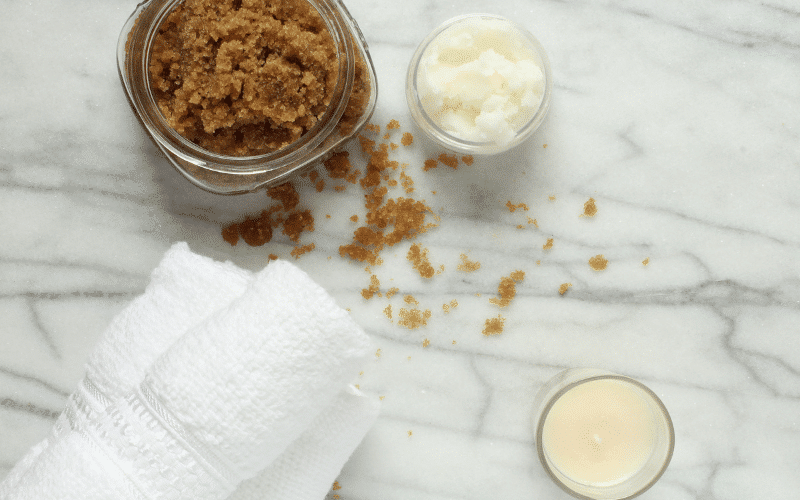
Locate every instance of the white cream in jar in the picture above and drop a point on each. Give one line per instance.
(481, 80)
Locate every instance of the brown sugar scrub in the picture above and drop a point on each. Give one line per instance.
(243, 78)
(177, 85)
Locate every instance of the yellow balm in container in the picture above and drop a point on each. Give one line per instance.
(602, 436)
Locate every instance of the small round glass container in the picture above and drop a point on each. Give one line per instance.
(225, 174)
(584, 452)
(424, 111)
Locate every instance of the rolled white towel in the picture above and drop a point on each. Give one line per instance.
(185, 288)
(221, 404)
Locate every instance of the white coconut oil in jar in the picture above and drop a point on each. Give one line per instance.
(479, 84)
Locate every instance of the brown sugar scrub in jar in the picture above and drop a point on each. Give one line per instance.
(241, 94)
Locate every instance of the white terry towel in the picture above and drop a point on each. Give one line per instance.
(184, 290)
(221, 404)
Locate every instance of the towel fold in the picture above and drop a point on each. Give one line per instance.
(214, 376)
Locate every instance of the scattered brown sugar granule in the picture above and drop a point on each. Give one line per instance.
(352, 177)
(272, 256)
(407, 182)
(392, 291)
(413, 318)
(552, 197)
(339, 188)
(387, 225)
(520, 226)
(468, 160)
(320, 185)
(452, 305)
(336, 486)
(449, 160)
(564, 287)
(409, 299)
(378, 353)
(494, 326)
(418, 257)
(430, 164)
(410, 433)
(544, 146)
(354, 218)
(598, 262)
(426, 343)
(296, 223)
(507, 289)
(374, 287)
(589, 208)
(372, 127)
(298, 251)
(243, 78)
(285, 194)
(230, 233)
(393, 124)
(338, 165)
(548, 245)
(388, 311)
(255, 231)
(407, 139)
(533, 221)
(386, 136)
(513, 208)
(467, 265)
(646, 261)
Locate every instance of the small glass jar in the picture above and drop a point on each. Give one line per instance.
(224, 174)
(600, 435)
(432, 127)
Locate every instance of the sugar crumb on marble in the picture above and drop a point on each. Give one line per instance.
(467, 265)
(418, 257)
(589, 208)
(507, 290)
(598, 262)
(494, 326)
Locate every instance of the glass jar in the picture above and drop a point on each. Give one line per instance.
(614, 437)
(224, 174)
(514, 37)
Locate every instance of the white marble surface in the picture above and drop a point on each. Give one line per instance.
(680, 118)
